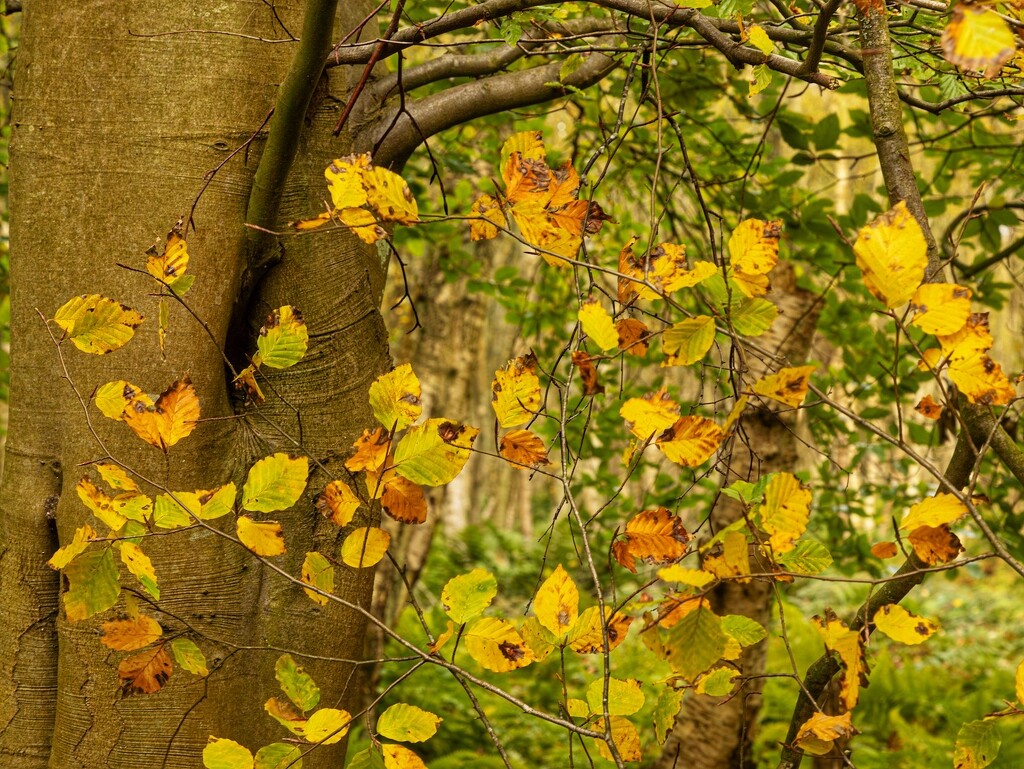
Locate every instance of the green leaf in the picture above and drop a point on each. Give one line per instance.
(366, 759)
(977, 745)
(283, 339)
(92, 584)
(760, 78)
(718, 682)
(826, 132)
(407, 723)
(296, 683)
(434, 452)
(808, 557)
(275, 483)
(220, 753)
(695, 643)
(754, 316)
(96, 324)
(466, 596)
(279, 755)
(395, 398)
(140, 565)
(743, 630)
(168, 514)
(189, 656)
(327, 726)
(181, 285)
(688, 341)
(624, 697)
(665, 712)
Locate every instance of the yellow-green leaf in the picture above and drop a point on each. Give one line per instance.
(785, 511)
(754, 316)
(717, 682)
(624, 696)
(96, 324)
(221, 753)
(116, 477)
(395, 398)
(977, 745)
(93, 585)
(296, 683)
(688, 341)
(557, 603)
(112, 397)
(317, 572)
(900, 625)
(695, 642)
(467, 595)
(141, 566)
(758, 38)
(407, 723)
(189, 656)
(434, 452)
(365, 547)
(275, 483)
(283, 339)
(264, 538)
(598, 324)
(515, 392)
(327, 726)
(279, 755)
(665, 712)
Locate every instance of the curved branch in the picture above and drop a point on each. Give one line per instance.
(498, 93)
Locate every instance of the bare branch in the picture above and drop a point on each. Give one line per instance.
(813, 58)
(494, 94)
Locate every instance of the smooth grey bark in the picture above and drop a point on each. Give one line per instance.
(113, 133)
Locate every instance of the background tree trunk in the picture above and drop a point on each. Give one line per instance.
(114, 130)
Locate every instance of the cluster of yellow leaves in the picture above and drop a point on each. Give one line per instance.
(516, 400)
(893, 255)
(365, 196)
(544, 202)
(688, 441)
(660, 272)
(282, 342)
(161, 422)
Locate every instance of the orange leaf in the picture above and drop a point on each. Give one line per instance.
(935, 544)
(371, 451)
(171, 418)
(691, 441)
(633, 336)
(654, 536)
(789, 385)
(523, 450)
(404, 500)
(884, 549)
(146, 672)
(127, 635)
(929, 408)
(338, 502)
(588, 372)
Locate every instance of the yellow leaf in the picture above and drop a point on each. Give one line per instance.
(275, 483)
(112, 397)
(214, 503)
(345, 179)
(934, 511)
(624, 696)
(400, 757)
(598, 325)
(692, 577)
(262, 537)
(688, 341)
(754, 244)
(789, 385)
(523, 450)
(362, 223)
(172, 417)
(737, 411)
(900, 625)
(664, 268)
(785, 511)
(317, 572)
(847, 644)
(226, 754)
(654, 536)
(892, 254)
(338, 502)
(981, 379)
(97, 325)
(942, 308)
(246, 382)
(515, 392)
(734, 560)
(691, 441)
(587, 635)
(717, 682)
(100, 504)
(146, 672)
(140, 565)
(529, 145)
(404, 500)
(978, 39)
(127, 635)
(758, 38)
(327, 726)
(556, 603)
(1019, 680)
(283, 339)
(650, 415)
(973, 336)
(625, 737)
(407, 723)
(390, 196)
(395, 398)
(434, 452)
(496, 646)
(70, 551)
(817, 734)
(170, 264)
(487, 218)
(443, 638)
(539, 639)
(365, 546)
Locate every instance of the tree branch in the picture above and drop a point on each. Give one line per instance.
(498, 93)
(819, 36)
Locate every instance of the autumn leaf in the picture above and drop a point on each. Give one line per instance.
(696, 641)
(588, 372)
(978, 39)
(407, 723)
(753, 252)
(977, 745)
(654, 536)
(338, 503)
(847, 644)
(523, 450)
(488, 218)
(884, 550)
(145, 672)
(434, 452)
(395, 398)
(732, 561)
(633, 336)
(717, 682)
(466, 596)
(818, 733)
(165, 422)
(282, 340)
(70, 551)
(664, 269)
(170, 263)
(404, 501)
(226, 754)
(625, 697)
(389, 195)
(400, 757)
(650, 415)
(941, 308)
(296, 683)
(598, 325)
(892, 254)
(92, 584)
(365, 546)
(785, 511)
(940, 509)
(688, 341)
(496, 646)
(264, 538)
(556, 603)
(691, 441)
(516, 391)
(935, 544)
(97, 325)
(278, 755)
(928, 408)
(189, 657)
(900, 625)
(587, 635)
(788, 385)
(140, 565)
(126, 635)
(275, 483)
(624, 736)
(317, 572)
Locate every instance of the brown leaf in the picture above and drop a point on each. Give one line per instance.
(935, 544)
(633, 336)
(523, 450)
(146, 672)
(404, 500)
(653, 536)
(588, 373)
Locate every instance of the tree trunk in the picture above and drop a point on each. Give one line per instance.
(717, 732)
(114, 130)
